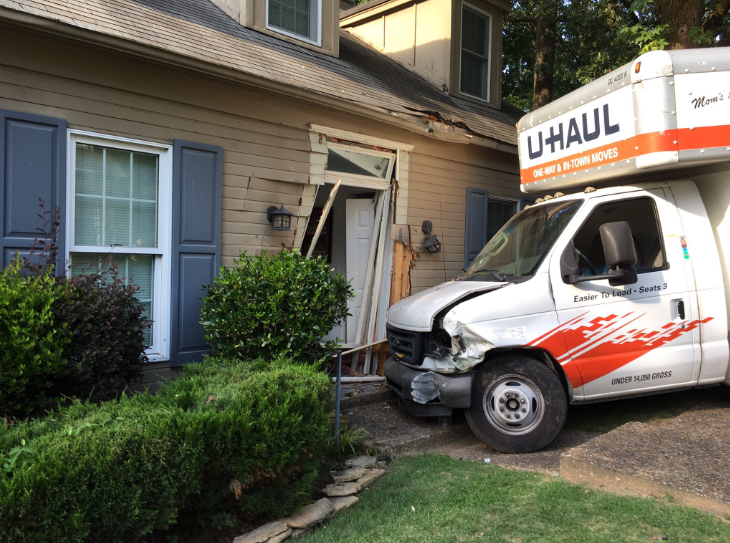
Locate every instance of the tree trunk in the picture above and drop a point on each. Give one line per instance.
(681, 16)
(715, 19)
(547, 15)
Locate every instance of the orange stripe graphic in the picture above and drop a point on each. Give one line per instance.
(683, 139)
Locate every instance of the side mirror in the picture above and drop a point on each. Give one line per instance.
(619, 251)
(618, 244)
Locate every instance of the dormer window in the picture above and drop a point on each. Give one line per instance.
(476, 32)
(299, 19)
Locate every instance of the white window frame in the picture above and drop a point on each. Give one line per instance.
(489, 50)
(317, 16)
(160, 348)
(364, 181)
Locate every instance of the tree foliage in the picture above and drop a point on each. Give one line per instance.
(593, 37)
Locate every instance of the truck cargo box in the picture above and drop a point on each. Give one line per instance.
(666, 109)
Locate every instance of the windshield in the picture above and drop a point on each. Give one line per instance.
(518, 248)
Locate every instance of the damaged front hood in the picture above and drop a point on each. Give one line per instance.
(416, 313)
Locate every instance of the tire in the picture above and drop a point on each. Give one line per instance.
(533, 402)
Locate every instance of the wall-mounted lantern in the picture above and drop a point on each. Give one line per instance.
(280, 218)
(431, 243)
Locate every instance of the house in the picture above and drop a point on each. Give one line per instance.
(166, 130)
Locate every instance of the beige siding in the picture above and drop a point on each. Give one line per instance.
(269, 156)
(416, 35)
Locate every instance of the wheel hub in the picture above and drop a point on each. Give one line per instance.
(514, 405)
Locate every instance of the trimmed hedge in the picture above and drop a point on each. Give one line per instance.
(271, 306)
(226, 442)
(31, 340)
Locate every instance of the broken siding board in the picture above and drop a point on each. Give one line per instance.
(234, 191)
(378, 278)
(274, 175)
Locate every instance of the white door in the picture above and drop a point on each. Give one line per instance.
(359, 232)
(635, 338)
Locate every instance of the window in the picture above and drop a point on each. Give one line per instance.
(359, 166)
(641, 215)
(119, 204)
(498, 213)
(296, 18)
(475, 50)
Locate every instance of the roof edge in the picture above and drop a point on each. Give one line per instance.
(149, 52)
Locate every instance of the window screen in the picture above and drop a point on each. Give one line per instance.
(116, 207)
(641, 215)
(474, 53)
(293, 16)
(116, 197)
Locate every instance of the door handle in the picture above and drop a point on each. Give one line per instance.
(680, 309)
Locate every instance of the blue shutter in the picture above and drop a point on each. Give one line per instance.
(196, 243)
(475, 239)
(32, 167)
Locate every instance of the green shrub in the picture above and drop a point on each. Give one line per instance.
(31, 340)
(105, 323)
(64, 336)
(274, 306)
(226, 442)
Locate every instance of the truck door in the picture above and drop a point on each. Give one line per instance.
(633, 338)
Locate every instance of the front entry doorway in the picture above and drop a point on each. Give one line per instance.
(345, 241)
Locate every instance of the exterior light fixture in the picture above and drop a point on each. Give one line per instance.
(280, 218)
(431, 243)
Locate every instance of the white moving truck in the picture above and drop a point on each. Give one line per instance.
(589, 294)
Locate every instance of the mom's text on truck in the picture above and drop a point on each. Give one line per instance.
(598, 294)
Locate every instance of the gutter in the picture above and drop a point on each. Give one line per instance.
(148, 52)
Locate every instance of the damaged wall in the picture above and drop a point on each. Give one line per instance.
(270, 155)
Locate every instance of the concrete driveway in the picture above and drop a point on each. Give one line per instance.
(673, 446)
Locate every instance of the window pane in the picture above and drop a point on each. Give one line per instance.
(88, 227)
(346, 161)
(135, 269)
(474, 53)
(472, 74)
(474, 32)
(292, 15)
(116, 197)
(144, 224)
(89, 170)
(145, 176)
(117, 179)
(116, 223)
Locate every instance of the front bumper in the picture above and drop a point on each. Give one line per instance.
(427, 394)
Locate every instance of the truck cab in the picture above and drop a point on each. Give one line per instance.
(588, 295)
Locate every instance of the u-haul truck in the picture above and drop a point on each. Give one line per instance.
(591, 293)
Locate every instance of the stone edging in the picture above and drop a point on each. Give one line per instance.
(361, 472)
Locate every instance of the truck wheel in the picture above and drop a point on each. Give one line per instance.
(517, 405)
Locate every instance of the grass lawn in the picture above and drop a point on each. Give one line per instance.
(437, 499)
